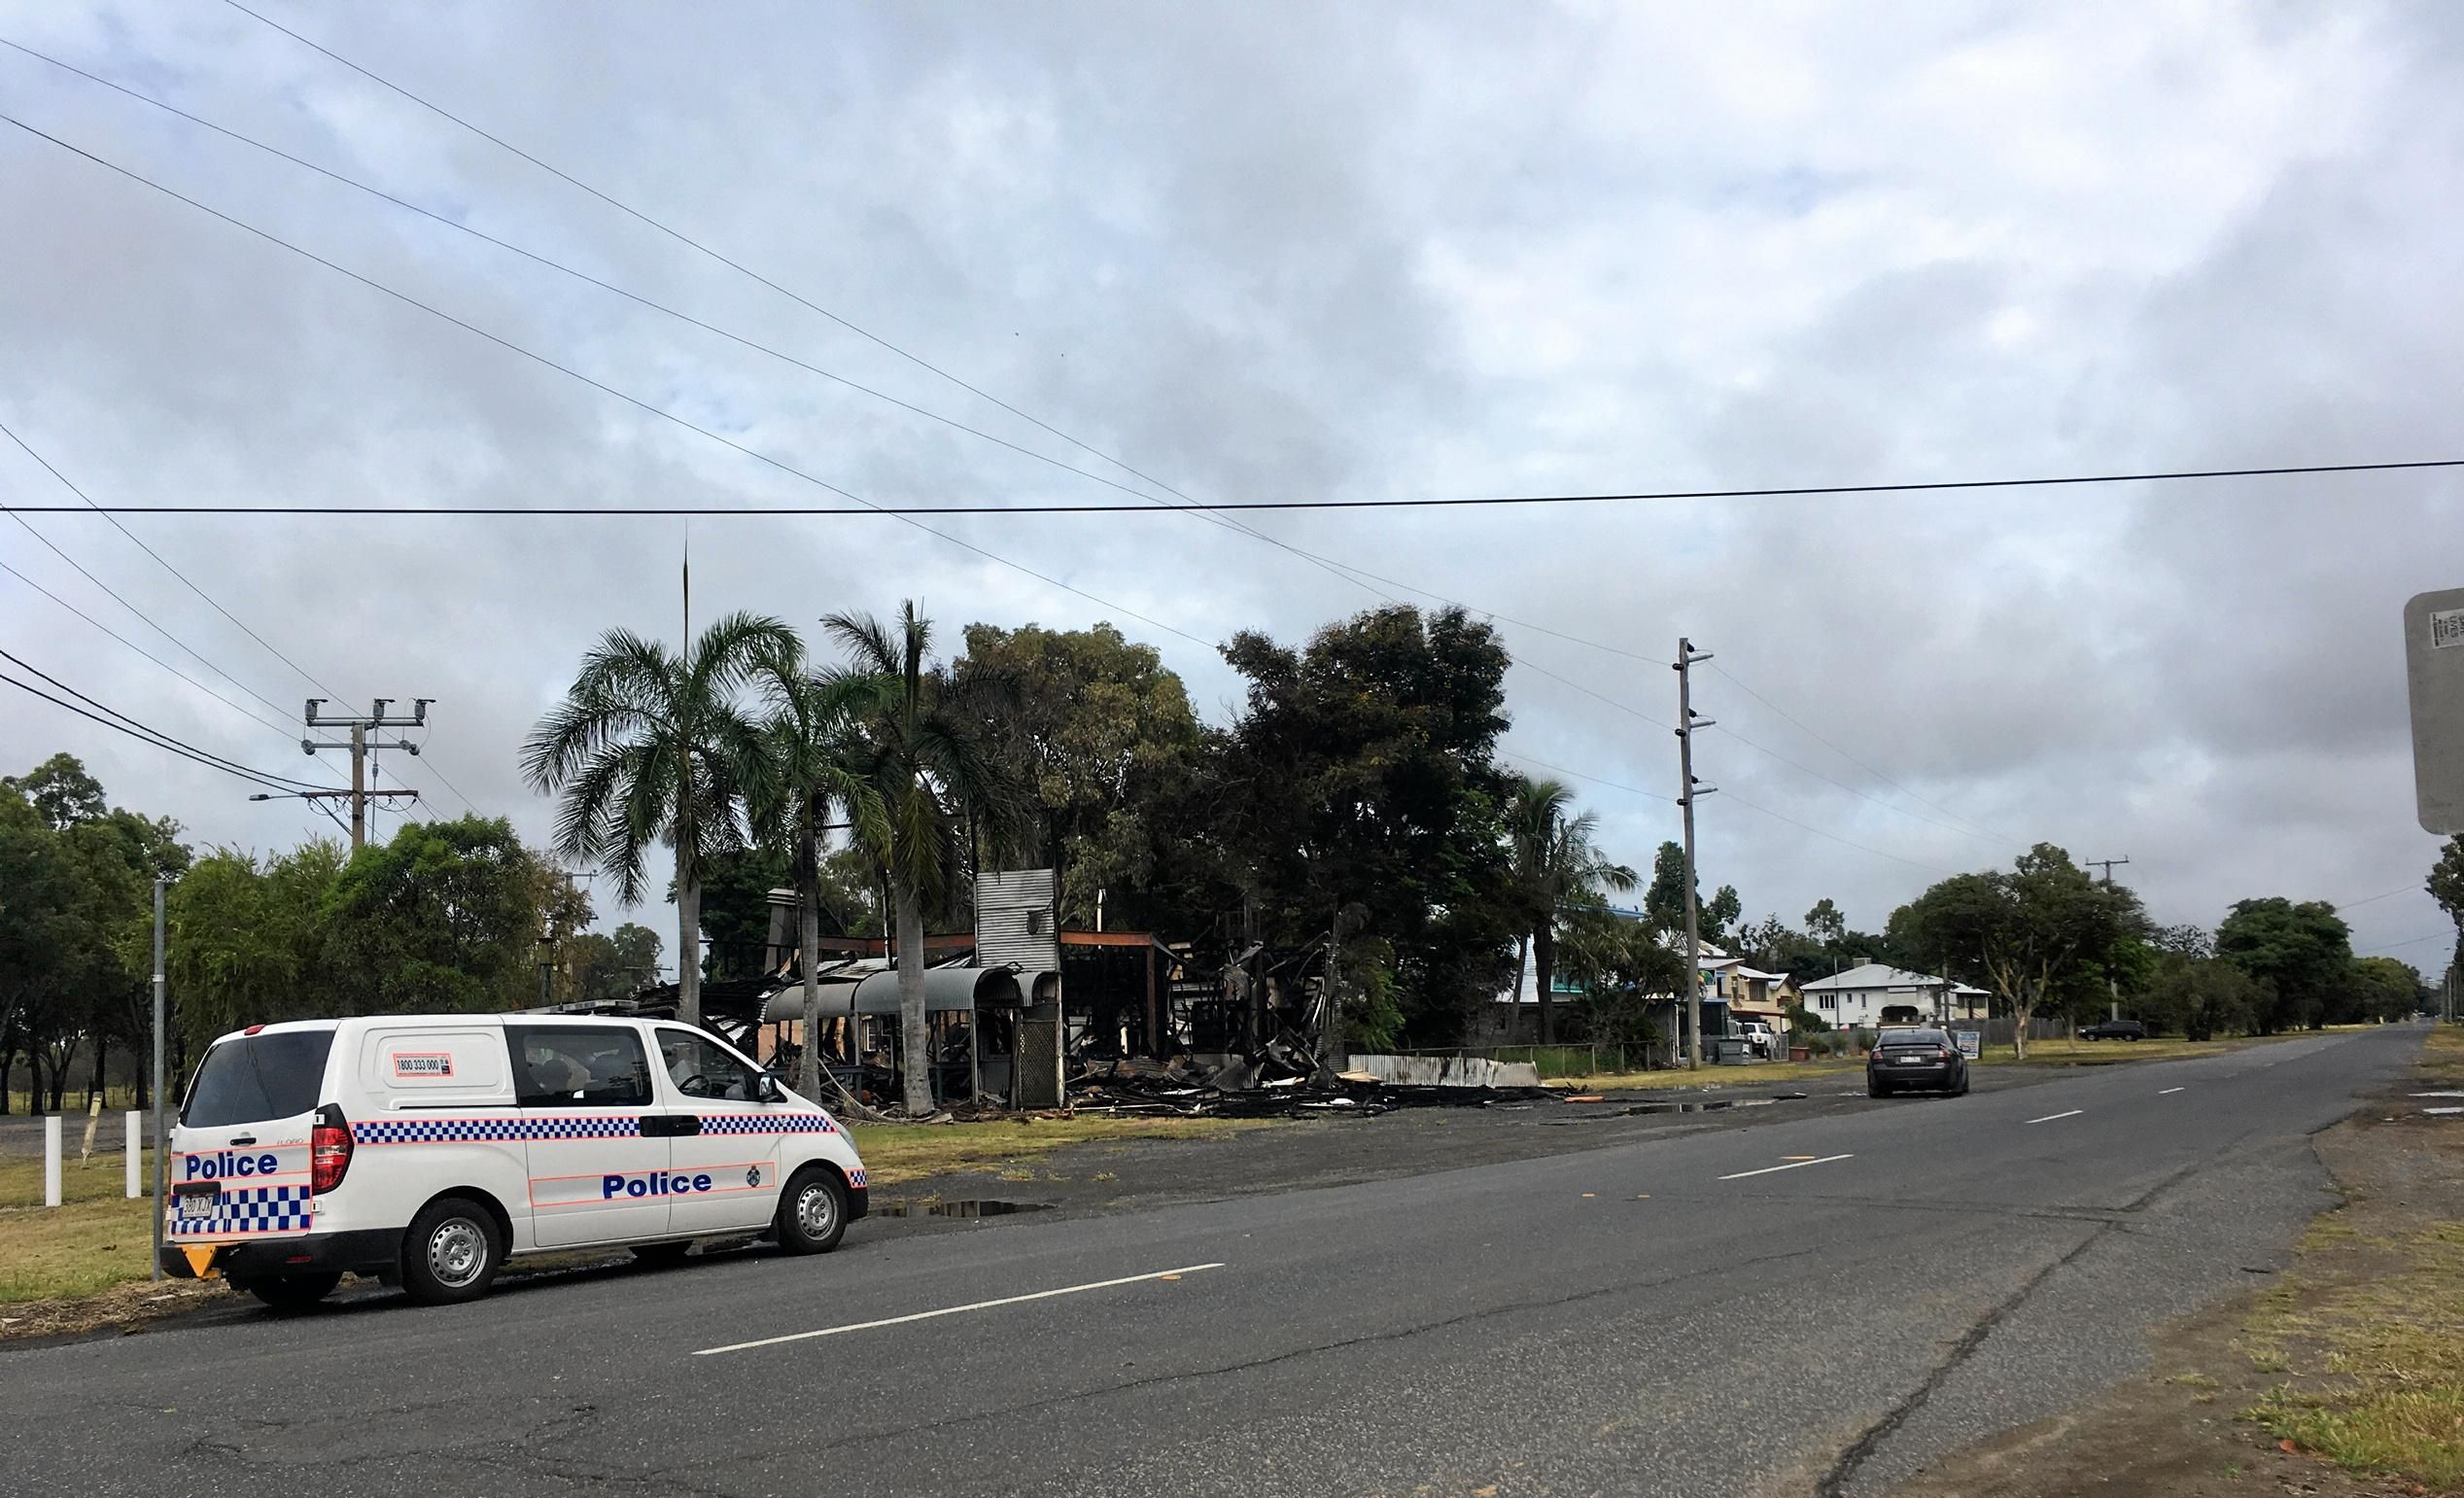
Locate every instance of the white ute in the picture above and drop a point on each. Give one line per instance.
(428, 1149)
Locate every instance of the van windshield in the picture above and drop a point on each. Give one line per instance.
(256, 1078)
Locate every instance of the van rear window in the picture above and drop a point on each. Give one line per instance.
(255, 1079)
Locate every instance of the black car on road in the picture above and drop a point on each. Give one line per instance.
(1918, 1058)
(2115, 1030)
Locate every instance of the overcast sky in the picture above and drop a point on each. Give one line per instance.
(1278, 250)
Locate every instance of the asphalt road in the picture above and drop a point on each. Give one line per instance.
(1673, 1315)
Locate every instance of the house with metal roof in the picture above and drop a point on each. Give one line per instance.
(1857, 999)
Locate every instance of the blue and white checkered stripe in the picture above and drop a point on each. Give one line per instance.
(769, 1123)
(250, 1210)
(856, 1178)
(482, 1130)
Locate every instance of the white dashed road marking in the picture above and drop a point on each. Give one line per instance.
(2050, 1117)
(952, 1311)
(1794, 1165)
(2162, 1090)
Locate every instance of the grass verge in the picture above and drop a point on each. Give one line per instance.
(95, 1238)
(2367, 1330)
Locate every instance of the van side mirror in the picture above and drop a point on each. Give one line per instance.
(766, 1089)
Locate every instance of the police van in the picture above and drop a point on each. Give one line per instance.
(428, 1149)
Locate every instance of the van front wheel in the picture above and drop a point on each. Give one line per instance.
(452, 1252)
(812, 1212)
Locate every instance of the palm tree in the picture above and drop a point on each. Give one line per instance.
(1554, 861)
(813, 764)
(649, 746)
(928, 774)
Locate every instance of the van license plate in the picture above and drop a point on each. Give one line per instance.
(186, 1207)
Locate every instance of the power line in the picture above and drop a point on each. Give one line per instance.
(254, 777)
(1159, 508)
(646, 406)
(1980, 829)
(1832, 836)
(636, 401)
(35, 671)
(11, 433)
(1543, 764)
(2373, 899)
(1344, 570)
(113, 595)
(142, 651)
(2413, 942)
(71, 486)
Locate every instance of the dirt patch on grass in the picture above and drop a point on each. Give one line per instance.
(120, 1307)
(2344, 1377)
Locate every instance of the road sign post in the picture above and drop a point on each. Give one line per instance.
(2434, 668)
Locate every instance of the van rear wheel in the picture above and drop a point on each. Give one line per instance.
(812, 1212)
(452, 1252)
(292, 1292)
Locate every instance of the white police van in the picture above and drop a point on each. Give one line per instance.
(428, 1149)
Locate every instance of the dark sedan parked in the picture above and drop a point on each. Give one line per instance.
(2115, 1030)
(1919, 1058)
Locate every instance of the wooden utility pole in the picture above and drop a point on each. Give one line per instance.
(358, 744)
(1688, 789)
(2112, 990)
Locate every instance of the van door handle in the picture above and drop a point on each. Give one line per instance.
(243, 1138)
(685, 1126)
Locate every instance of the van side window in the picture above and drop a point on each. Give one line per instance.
(571, 1067)
(700, 1068)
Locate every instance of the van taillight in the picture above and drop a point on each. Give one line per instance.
(329, 1149)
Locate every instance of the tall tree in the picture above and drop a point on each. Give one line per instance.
(926, 772)
(2200, 997)
(2387, 987)
(2029, 934)
(816, 763)
(2302, 951)
(247, 940)
(1362, 773)
(60, 790)
(1099, 738)
(1554, 861)
(648, 746)
(445, 916)
(1664, 899)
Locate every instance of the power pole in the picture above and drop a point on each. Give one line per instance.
(1688, 790)
(2112, 990)
(359, 794)
(161, 1137)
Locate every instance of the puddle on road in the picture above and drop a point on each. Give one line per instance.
(964, 1208)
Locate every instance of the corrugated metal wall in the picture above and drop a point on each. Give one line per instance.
(1016, 922)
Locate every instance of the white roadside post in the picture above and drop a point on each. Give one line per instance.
(132, 1134)
(52, 1161)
